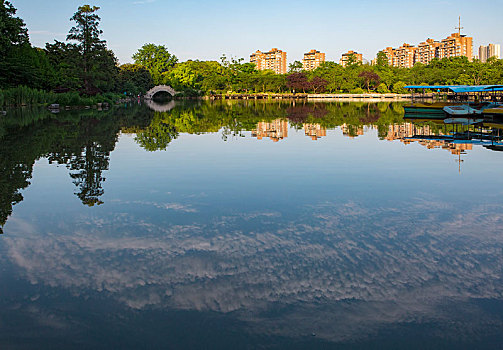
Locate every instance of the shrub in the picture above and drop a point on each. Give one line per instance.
(398, 87)
(357, 91)
(382, 89)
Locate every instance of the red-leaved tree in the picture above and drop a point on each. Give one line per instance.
(370, 79)
(298, 82)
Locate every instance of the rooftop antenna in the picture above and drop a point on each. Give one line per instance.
(459, 26)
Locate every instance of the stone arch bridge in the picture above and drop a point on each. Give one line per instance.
(159, 88)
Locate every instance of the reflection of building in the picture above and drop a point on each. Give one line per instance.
(400, 131)
(410, 132)
(315, 131)
(351, 130)
(276, 130)
(312, 60)
(458, 148)
(274, 60)
(351, 55)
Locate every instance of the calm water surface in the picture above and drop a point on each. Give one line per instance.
(248, 225)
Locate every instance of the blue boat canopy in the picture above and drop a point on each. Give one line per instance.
(459, 88)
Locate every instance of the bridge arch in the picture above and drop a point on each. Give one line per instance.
(160, 88)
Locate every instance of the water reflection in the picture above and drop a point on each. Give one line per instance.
(276, 130)
(348, 254)
(160, 107)
(314, 131)
(83, 141)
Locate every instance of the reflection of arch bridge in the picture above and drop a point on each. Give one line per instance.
(160, 88)
(160, 107)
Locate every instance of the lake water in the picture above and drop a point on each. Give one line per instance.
(237, 225)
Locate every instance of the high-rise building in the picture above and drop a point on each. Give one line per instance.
(274, 60)
(312, 60)
(389, 54)
(491, 50)
(483, 53)
(427, 51)
(455, 45)
(494, 50)
(404, 56)
(346, 57)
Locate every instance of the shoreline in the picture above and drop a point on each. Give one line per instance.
(311, 97)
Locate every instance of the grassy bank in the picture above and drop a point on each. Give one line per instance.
(24, 96)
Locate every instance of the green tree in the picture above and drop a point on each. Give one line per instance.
(157, 60)
(134, 79)
(382, 89)
(382, 60)
(97, 63)
(352, 61)
(12, 29)
(15, 69)
(398, 87)
(332, 73)
(295, 67)
(65, 60)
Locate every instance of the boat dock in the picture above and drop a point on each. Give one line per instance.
(457, 93)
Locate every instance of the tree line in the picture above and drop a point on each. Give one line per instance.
(84, 66)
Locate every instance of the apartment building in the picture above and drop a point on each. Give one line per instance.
(358, 58)
(427, 51)
(313, 59)
(274, 60)
(404, 56)
(455, 45)
(491, 50)
(389, 54)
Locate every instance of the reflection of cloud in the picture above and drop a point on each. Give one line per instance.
(167, 206)
(390, 265)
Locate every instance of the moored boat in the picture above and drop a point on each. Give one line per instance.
(427, 108)
(494, 111)
(469, 109)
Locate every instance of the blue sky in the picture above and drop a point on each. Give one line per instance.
(203, 30)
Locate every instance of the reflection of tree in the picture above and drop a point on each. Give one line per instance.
(157, 136)
(88, 155)
(82, 141)
(300, 113)
(372, 114)
(14, 175)
(86, 172)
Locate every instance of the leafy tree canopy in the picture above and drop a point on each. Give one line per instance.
(156, 59)
(12, 29)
